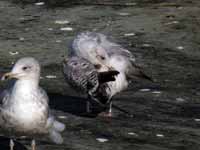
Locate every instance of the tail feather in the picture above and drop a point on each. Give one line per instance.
(55, 137)
(55, 127)
(58, 126)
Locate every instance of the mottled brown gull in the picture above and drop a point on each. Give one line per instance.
(24, 108)
(83, 76)
(105, 56)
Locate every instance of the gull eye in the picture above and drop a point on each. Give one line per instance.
(25, 68)
(103, 58)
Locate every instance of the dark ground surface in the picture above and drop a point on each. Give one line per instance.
(166, 44)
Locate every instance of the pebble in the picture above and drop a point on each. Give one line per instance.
(197, 120)
(156, 92)
(179, 99)
(21, 38)
(132, 133)
(14, 53)
(173, 22)
(62, 117)
(61, 22)
(180, 47)
(146, 45)
(124, 14)
(58, 41)
(159, 135)
(39, 3)
(66, 29)
(51, 77)
(129, 34)
(144, 90)
(50, 29)
(102, 140)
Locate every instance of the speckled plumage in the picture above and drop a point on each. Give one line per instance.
(83, 76)
(99, 51)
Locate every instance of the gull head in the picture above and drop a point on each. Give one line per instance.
(24, 68)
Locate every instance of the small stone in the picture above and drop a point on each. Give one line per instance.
(179, 99)
(180, 47)
(124, 14)
(197, 120)
(58, 41)
(21, 39)
(50, 29)
(51, 77)
(144, 90)
(146, 45)
(39, 3)
(129, 34)
(173, 22)
(156, 92)
(61, 22)
(102, 140)
(62, 117)
(159, 135)
(66, 29)
(132, 133)
(14, 53)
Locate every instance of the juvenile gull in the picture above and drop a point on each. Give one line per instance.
(105, 56)
(24, 108)
(83, 76)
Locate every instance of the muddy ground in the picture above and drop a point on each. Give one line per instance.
(163, 36)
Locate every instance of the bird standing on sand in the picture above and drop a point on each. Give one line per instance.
(106, 56)
(24, 108)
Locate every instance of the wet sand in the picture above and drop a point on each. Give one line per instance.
(164, 37)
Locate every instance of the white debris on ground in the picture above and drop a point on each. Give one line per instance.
(58, 41)
(197, 120)
(66, 29)
(62, 117)
(146, 45)
(39, 3)
(129, 34)
(180, 47)
(61, 22)
(14, 53)
(173, 22)
(132, 133)
(179, 99)
(145, 90)
(159, 135)
(50, 29)
(102, 140)
(51, 76)
(124, 14)
(21, 38)
(156, 92)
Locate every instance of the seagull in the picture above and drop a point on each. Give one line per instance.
(106, 56)
(83, 76)
(24, 109)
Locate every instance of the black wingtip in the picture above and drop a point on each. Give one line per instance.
(107, 76)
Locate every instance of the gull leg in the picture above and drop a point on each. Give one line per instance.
(88, 107)
(11, 144)
(110, 110)
(33, 145)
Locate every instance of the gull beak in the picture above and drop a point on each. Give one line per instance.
(100, 58)
(8, 75)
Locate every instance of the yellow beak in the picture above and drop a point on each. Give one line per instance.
(8, 75)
